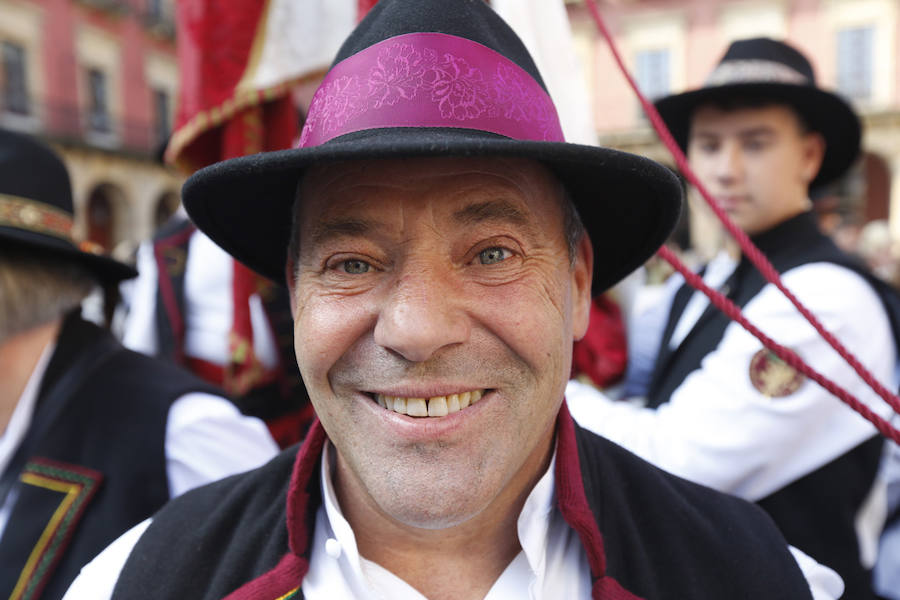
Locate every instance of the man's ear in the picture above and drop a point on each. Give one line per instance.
(813, 154)
(290, 277)
(582, 278)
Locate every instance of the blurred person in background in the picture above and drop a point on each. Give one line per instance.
(191, 304)
(95, 438)
(721, 409)
(877, 248)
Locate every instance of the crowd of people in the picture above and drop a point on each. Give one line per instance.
(409, 295)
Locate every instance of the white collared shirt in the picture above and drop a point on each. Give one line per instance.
(552, 563)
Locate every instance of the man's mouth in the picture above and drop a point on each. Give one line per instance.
(436, 406)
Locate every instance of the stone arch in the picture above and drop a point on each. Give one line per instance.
(166, 204)
(106, 212)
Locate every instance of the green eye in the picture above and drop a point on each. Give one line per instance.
(355, 267)
(490, 256)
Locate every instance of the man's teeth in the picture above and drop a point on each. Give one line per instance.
(438, 406)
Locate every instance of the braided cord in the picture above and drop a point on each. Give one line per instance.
(762, 263)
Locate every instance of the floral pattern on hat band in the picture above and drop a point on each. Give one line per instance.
(430, 80)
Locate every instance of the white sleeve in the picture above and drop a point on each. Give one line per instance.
(140, 325)
(824, 583)
(207, 438)
(717, 429)
(98, 578)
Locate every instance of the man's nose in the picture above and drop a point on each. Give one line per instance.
(729, 164)
(422, 314)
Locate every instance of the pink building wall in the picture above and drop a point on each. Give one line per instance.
(806, 24)
(63, 75)
(60, 83)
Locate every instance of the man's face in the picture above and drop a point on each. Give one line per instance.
(432, 282)
(756, 162)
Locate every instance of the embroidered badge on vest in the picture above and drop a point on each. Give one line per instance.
(773, 377)
(76, 485)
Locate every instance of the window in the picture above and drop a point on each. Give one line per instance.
(652, 70)
(98, 107)
(854, 62)
(154, 10)
(15, 87)
(161, 123)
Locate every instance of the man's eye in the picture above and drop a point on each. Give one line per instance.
(755, 145)
(355, 267)
(490, 256)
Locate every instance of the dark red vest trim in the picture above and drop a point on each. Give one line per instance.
(293, 566)
(280, 582)
(298, 493)
(166, 290)
(574, 507)
(573, 504)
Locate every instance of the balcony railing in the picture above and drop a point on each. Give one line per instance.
(76, 124)
(156, 16)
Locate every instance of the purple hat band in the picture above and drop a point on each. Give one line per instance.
(430, 80)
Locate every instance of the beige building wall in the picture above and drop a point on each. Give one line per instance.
(137, 187)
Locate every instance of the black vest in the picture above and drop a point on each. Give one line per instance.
(99, 469)
(286, 394)
(816, 513)
(647, 534)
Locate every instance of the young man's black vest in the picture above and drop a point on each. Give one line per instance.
(100, 466)
(816, 513)
(647, 534)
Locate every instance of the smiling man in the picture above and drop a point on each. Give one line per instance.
(429, 229)
(721, 410)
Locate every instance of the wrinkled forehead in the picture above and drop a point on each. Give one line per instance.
(346, 186)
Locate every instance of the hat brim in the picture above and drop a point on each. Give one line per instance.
(104, 269)
(629, 204)
(823, 111)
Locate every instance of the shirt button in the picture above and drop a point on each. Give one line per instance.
(333, 548)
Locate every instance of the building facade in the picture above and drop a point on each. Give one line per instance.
(670, 46)
(97, 79)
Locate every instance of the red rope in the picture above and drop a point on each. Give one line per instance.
(732, 311)
(761, 262)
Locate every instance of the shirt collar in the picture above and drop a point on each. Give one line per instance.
(533, 523)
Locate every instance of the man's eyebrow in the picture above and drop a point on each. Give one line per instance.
(757, 131)
(324, 231)
(492, 210)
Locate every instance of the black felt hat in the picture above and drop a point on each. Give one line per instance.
(766, 69)
(436, 78)
(36, 207)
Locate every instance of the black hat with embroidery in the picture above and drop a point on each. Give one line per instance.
(439, 78)
(766, 69)
(36, 207)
